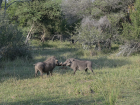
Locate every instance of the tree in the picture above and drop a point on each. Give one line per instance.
(92, 32)
(73, 9)
(131, 31)
(0, 3)
(44, 15)
(103, 15)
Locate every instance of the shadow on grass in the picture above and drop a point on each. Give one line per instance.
(104, 62)
(61, 100)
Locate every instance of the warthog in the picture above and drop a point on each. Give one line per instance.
(47, 66)
(76, 64)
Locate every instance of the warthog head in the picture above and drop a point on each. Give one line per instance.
(57, 63)
(67, 63)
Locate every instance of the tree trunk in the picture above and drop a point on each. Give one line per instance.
(0, 4)
(99, 46)
(109, 44)
(29, 36)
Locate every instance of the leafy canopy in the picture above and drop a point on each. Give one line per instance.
(131, 30)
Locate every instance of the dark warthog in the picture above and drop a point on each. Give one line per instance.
(76, 64)
(47, 66)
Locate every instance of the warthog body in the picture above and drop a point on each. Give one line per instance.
(76, 64)
(47, 66)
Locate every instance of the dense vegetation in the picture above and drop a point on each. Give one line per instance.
(96, 24)
(103, 31)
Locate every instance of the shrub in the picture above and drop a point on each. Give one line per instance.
(12, 41)
(14, 51)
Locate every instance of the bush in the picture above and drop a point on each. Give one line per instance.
(12, 52)
(12, 41)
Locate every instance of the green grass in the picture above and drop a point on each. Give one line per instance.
(116, 80)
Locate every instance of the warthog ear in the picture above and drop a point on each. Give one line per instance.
(71, 59)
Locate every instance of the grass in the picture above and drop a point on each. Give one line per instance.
(116, 80)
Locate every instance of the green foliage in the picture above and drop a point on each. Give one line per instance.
(12, 6)
(88, 35)
(49, 17)
(10, 34)
(12, 41)
(12, 52)
(45, 15)
(100, 20)
(131, 31)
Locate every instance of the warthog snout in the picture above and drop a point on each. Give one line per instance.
(67, 63)
(59, 64)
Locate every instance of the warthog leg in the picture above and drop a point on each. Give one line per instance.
(91, 70)
(86, 70)
(36, 72)
(74, 71)
(47, 73)
(51, 73)
(41, 74)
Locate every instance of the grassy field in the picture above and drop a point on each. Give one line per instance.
(116, 80)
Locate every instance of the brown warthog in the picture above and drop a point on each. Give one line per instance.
(47, 66)
(76, 64)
